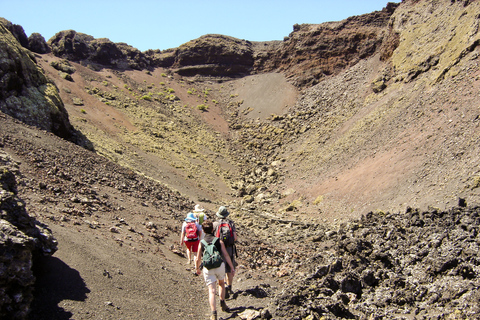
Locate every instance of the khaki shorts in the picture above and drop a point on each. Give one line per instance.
(211, 276)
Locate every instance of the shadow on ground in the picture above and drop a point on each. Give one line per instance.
(55, 282)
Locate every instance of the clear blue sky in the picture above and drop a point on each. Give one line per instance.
(159, 24)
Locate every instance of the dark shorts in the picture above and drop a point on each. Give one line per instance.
(231, 253)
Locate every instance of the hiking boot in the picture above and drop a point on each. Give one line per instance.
(224, 306)
(228, 291)
(213, 316)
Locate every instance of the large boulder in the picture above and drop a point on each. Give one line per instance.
(22, 238)
(25, 91)
(71, 45)
(37, 43)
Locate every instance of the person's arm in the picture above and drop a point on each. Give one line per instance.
(182, 235)
(199, 230)
(234, 229)
(226, 257)
(199, 258)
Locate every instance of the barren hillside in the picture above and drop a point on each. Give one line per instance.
(310, 141)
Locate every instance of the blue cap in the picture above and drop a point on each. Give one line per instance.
(190, 217)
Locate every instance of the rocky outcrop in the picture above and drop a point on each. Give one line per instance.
(159, 58)
(313, 51)
(209, 55)
(22, 238)
(310, 53)
(17, 31)
(214, 55)
(76, 46)
(37, 43)
(392, 266)
(25, 91)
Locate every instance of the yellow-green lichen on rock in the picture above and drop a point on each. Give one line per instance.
(435, 35)
(25, 92)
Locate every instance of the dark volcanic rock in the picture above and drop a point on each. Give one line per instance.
(422, 263)
(313, 51)
(76, 46)
(209, 55)
(25, 91)
(71, 45)
(215, 55)
(22, 238)
(163, 59)
(37, 43)
(17, 31)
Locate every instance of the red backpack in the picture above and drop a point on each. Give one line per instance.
(191, 231)
(225, 233)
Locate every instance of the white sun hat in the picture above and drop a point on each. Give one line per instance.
(197, 208)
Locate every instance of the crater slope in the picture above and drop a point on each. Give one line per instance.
(331, 148)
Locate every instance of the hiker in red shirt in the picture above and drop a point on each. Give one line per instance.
(191, 231)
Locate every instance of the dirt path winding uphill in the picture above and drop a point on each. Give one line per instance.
(114, 259)
(96, 278)
(118, 255)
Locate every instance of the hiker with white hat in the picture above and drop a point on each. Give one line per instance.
(200, 215)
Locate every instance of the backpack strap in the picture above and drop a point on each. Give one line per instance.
(205, 243)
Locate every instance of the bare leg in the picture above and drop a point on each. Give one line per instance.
(229, 279)
(211, 296)
(221, 285)
(221, 289)
(189, 254)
